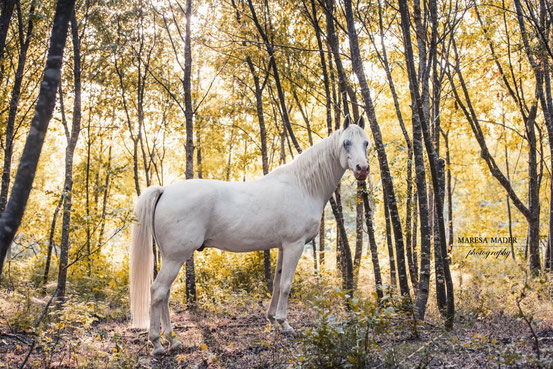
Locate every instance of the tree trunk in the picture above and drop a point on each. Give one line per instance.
(70, 150)
(372, 242)
(533, 199)
(387, 183)
(199, 167)
(326, 80)
(345, 252)
(276, 77)
(189, 116)
(409, 245)
(264, 158)
(414, 238)
(449, 190)
(420, 175)
(12, 215)
(439, 256)
(107, 184)
(322, 241)
(547, 107)
(315, 267)
(335, 100)
(5, 18)
(441, 297)
(341, 263)
(335, 48)
(342, 241)
(358, 232)
(328, 109)
(14, 102)
(393, 279)
(408, 206)
(530, 121)
(510, 220)
(51, 242)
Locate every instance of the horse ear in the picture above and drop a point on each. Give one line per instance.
(361, 122)
(346, 121)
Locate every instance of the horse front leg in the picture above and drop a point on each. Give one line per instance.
(291, 256)
(276, 289)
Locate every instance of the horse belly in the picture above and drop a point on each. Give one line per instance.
(243, 236)
(256, 220)
(261, 230)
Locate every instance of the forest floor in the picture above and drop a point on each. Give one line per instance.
(242, 338)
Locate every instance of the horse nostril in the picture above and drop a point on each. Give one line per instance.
(358, 167)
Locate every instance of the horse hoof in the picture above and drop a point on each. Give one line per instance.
(271, 319)
(158, 351)
(286, 329)
(176, 345)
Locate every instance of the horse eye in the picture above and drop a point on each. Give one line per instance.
(366, 143)
(347, 143)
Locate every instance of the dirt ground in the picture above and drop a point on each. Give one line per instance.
(243, 339)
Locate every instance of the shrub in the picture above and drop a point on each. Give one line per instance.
(346, 338)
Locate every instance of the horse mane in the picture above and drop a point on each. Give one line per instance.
(315, 166)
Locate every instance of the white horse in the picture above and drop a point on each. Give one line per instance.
(281, 210)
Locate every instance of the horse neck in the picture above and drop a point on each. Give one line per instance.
(318, 169)
(332, 183)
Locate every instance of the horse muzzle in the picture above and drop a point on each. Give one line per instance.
(361, 171)
(361, 175)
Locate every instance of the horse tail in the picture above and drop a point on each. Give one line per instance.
(142, 258)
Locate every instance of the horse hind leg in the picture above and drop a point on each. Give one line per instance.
(160, 293)
(174, 343)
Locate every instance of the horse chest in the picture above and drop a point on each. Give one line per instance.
(304, 224)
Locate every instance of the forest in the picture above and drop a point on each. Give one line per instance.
(440, 258)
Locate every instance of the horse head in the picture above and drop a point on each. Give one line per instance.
(354, 143)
